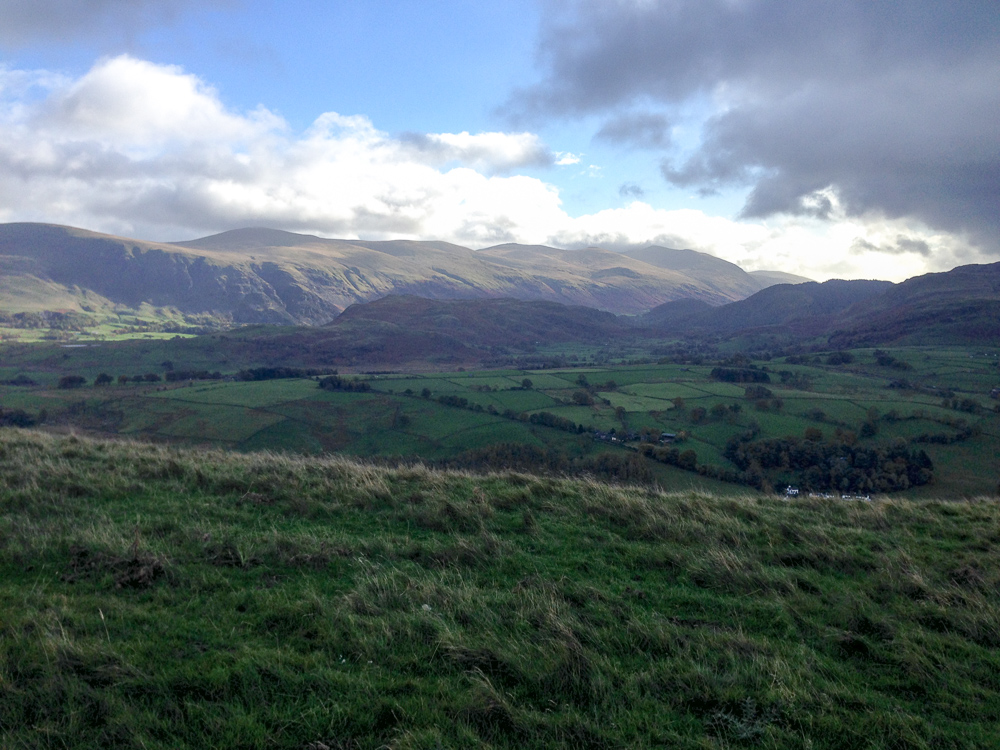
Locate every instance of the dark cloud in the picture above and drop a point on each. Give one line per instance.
(631, 190)
(637, 129)
(25, 21)
(902, 245)
(893, 106)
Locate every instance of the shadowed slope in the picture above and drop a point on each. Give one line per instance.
(961, 305)
(498, 322)
(805, 308)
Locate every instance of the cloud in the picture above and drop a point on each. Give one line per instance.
(150, 151)
(566, 159)
(140, 104)
(631, 190)
(637, 129)
(891, 106)
(901, 246)
(28, 20)
(495, 152)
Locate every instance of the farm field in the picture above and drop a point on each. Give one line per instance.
(934, 400)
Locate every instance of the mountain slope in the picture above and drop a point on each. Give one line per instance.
(957, 306)
(770, 278)
(726, 278)
(961, 305)
(401, 329)
(808, 308)
(260, 275)
(494, 322)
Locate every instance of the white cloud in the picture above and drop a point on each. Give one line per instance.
(138, 103)
(150, 151)
(486, 151)
(565, 159)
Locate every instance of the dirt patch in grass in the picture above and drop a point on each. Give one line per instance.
(136, 570)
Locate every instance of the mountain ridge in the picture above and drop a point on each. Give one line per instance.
(262, 275)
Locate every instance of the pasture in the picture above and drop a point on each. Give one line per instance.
(933, 399)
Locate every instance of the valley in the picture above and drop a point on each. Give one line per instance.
(577, 410)
(707, 516)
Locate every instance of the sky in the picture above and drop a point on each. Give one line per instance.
(834, 138)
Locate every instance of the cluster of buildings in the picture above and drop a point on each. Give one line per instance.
(794, 492)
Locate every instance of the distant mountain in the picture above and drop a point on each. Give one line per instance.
(809, 308)
(605, 275)
(769, 278)
(724, 277)
(961, 305)
(260, 275)
(957, 306)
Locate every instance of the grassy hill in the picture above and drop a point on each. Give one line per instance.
(153, 597)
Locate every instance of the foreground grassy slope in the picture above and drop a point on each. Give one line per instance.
(152, 597)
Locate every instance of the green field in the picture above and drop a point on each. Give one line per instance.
(438, 416)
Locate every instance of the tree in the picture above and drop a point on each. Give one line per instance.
(688, 460)
(678, 403)
(698, 414)
(103, 379)
(526, 384)
(72, 381)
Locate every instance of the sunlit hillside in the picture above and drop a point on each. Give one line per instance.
(153, 597)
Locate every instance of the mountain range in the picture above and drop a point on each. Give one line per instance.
(957, 306)
(277, 277)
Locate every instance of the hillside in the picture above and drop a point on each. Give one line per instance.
(400, 330)
(778, 277)
(725, 277)
(496, 322)
(155, 597)
(958, 305)
(806, 309)
(270, 276)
